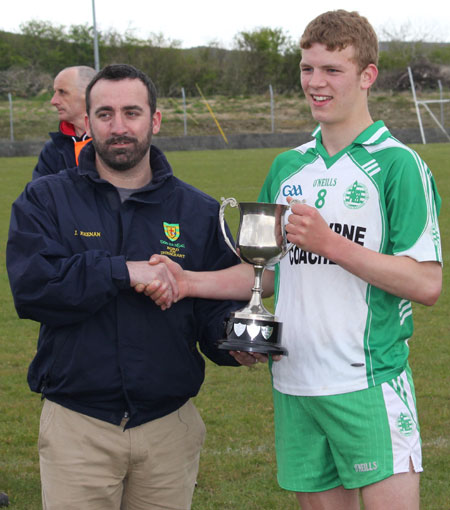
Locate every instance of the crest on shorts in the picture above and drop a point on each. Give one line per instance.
(172, 231)
(405, 424)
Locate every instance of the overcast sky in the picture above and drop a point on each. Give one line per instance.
(201, 22)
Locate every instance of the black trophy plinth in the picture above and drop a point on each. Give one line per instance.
(253, 335)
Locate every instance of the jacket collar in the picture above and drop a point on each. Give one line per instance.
(161, 170)
(68, 129)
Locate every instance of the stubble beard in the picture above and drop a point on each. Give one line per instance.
(122, 159)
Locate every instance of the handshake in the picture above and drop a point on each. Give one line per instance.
(160, 278)
(166, 282)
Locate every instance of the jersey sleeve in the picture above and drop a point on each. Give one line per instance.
(270, 186)
(413, 204)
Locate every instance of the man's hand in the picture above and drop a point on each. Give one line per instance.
(161, 294)
(249, 359)
(154, 280)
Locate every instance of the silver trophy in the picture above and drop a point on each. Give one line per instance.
(261, 241)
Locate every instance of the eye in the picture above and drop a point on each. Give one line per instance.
(132, 113)
(103, 115)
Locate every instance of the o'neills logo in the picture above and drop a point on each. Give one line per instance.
(366, 466)
(172, 231)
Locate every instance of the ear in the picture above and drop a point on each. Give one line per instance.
(368, 76)
(87, 126)
(156, 122)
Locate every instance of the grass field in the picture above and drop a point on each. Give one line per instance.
(237, 469)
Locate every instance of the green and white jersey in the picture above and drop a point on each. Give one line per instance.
(343, 334)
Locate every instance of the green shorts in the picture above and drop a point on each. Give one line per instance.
(354, 439)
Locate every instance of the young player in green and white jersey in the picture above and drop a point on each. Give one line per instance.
(366, 244)
(379, 194)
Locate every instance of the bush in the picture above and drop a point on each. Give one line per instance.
(24, 82)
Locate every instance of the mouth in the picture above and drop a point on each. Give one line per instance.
(320, 99)
(120, 142)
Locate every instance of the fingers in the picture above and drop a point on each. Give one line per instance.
(155, 281)
(161, 293)
(171, 280)
(157, 259)
(164, 287)
(140, 287)
(249, 359)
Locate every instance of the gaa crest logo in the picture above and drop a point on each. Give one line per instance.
(172, 231)
(356, 195)
(405, 424)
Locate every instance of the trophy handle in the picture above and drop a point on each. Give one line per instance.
(233, 203)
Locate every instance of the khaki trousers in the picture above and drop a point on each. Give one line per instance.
(89, 464)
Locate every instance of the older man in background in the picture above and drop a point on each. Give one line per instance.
(64, 146)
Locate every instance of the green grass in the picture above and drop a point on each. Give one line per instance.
(237, 469)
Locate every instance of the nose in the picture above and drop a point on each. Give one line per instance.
(316, 79)
(54, 100)
(118, 125)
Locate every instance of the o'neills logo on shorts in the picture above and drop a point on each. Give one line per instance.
(366, 466)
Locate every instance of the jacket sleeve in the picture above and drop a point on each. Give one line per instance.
(50, 161)
(212, 314)
(50, 283)
(212, 328)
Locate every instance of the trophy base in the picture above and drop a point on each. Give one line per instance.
(253, 335)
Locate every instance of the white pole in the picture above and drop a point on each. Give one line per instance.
(442, 102)
(11, 122)
(272, 115)
(413, 88)
(96, 57)
(184, 110)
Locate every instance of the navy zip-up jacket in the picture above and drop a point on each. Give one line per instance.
(103, 349)
(58, 153)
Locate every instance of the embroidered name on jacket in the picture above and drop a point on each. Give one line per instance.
(82, 233)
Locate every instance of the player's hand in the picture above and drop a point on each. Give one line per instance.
(161, 294)
(157, 279)
(249, 359)
(308, 230)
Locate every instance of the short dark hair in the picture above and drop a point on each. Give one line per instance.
(117, 72)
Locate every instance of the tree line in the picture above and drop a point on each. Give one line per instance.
(30, 59)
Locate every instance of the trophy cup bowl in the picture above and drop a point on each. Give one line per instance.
(261, 241)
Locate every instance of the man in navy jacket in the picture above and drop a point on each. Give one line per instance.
(117, 373)
(64, 146)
